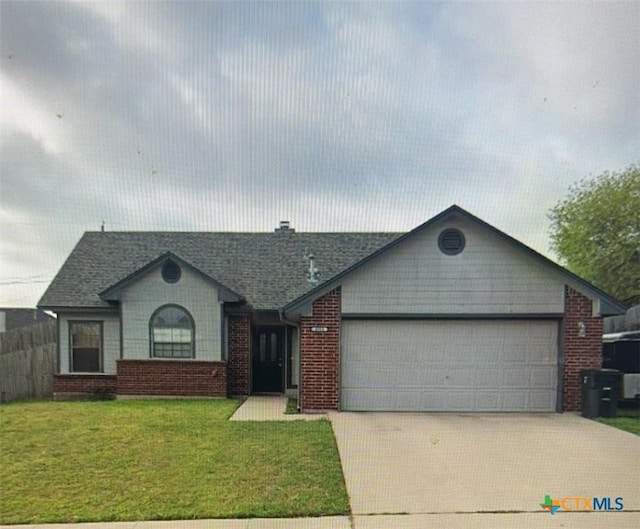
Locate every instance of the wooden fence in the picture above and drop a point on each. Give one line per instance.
(630, 321)
(27, 362)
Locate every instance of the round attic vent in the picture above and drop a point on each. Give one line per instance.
(451, 241)
(171, 272)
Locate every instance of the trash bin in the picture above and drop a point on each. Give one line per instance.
(590, 394)
(610, 383)
(600, 392)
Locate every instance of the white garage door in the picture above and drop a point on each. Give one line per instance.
(471, 365)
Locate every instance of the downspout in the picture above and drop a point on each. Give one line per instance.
(224, 347)
(284, 320)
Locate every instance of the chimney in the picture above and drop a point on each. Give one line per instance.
(284, 227)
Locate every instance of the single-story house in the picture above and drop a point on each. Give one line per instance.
(14, 318)
(454, 315)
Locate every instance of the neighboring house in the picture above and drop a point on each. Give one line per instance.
(452, 316)
(627, 322)
(621, 349)
(11, 318)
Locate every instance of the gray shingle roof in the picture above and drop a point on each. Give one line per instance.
(268, 269)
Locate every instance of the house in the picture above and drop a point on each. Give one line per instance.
(15, 318)
(621, 349)
(454, 315)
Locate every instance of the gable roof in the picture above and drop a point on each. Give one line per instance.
(608, 304)
(114, 292)
(267, 269)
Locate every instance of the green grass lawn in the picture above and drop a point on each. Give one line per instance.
(627, 419)
(150, 460)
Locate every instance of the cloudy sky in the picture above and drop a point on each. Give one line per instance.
(334, 115)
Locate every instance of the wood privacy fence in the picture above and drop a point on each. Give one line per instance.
(630, 321)
(27, 362)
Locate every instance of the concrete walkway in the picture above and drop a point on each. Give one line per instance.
(269, 408)
(537, 520)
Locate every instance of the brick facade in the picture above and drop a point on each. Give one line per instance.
(320, 355)
(172, 378)
(320, 351)
(76, 385)
(319, 361)
(239, 354)
(580, 352)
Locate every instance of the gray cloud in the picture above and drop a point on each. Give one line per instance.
(367, 116)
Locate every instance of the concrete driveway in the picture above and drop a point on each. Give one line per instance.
(444, 465)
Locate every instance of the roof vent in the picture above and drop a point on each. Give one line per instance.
(451, 241)
(313, 274)
(285, 227)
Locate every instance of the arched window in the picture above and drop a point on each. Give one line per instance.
(172, 332)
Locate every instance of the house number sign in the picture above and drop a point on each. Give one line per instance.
(319, 329)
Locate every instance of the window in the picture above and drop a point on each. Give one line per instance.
(451, 241)
(171, 272)
(172, 333)
(85, 339)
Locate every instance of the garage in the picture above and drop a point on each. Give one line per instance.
(449, 365)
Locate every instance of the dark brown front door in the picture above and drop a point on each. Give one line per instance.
(268, 352)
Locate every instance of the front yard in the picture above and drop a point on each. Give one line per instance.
(148, 460)
(626, 419)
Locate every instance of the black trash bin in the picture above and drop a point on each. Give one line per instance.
(590, 393)
(610, 383)
(601, 390)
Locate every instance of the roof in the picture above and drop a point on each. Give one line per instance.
(114, 292)
(267, 269)
(608, 304)
(16, 318)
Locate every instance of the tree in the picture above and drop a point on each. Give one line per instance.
(596, 232)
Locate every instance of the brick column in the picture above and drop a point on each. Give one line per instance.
(320, 355)
(239, 354)
(580, 352)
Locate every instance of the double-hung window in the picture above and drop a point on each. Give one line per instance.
(85, 340)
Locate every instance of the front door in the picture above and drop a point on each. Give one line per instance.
(268, 352)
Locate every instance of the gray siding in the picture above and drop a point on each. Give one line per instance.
(489, 276)
(197, 295)
(110, 334)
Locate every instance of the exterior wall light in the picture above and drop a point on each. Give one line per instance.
(582, 329)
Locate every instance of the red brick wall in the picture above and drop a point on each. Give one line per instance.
(83, 384)
(579, 352)
(320, 355)
(239, 354)
(172, 378)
